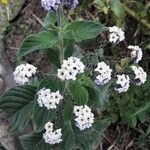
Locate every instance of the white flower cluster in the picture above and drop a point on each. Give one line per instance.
(122, 83)
(140, 75)
(136, 53)
(84, 117)
(104, 73)
(50, 4)
(116, 34)
(48, 99)
(51, 136)
(70, 68)
(23, 73)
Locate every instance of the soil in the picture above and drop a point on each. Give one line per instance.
(20, 27)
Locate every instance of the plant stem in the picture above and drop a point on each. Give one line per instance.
(133, 14)
(60, 37)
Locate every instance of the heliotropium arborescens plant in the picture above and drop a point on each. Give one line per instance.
(66, 106)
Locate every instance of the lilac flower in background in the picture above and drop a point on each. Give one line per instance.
(50, 4)
(54, 4)
(70, 4)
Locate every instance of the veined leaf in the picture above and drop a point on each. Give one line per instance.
(21, 118)
(68, 142)
(50, 18)
(68, 110)
(79, 93)
(18, 102)
(82, 30)
(41, 116)
(53, 83)
(42, 40)
(34, 142)
(117, 8)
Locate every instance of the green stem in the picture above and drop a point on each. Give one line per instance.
(60, 37)
(133, 14)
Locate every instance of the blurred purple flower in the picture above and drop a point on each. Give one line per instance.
(50, 4)
(70, 4)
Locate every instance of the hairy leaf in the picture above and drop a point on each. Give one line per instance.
(18, 102)
(117, 8)
(82, 30)
(41, 116)
(68, 142)
(42, 40)
(34, 142)
(79, 93)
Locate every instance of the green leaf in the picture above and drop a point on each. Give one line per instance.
(53, 56)
(101, 125)
(68, 142)
(41, 116)
(79, 93)
(52, 83)
(69, 48)
(50, 18)
(82, 30)
(34, 142)
(68, 111)
(21, 118)
(18, 102)
(98, 95)
(88, 139)
(16, 98)
(117, 7)
(42, 40)
(142, 109)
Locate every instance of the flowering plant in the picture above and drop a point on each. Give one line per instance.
(69, 107)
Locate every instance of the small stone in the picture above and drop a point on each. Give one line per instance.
(1, 85)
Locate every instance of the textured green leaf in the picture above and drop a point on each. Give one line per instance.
(50, 18)
(68, 110)
(42, 40)
(79, 93)
(41, 116)
(98, 95)
(82, 30)
(68, 142)
(53, 56)
(21, 118)
(16, 98)
(34, 142)
(53, 83)
(117, 8)
(18, 102)
(88, 139)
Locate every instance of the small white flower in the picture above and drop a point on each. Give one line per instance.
(140, 75)
(48, 99)
(70, 68)
(51, 136)
(113, 38)
(84, 117)
(23, 72)
(136, 53)
(122, 83)
(104, 73)
(78, 110)
(116, 34)
(49, 126)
